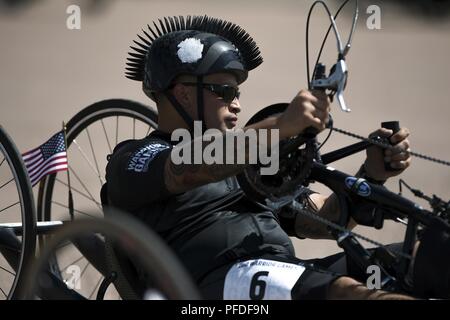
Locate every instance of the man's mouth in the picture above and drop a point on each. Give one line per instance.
(232, 120)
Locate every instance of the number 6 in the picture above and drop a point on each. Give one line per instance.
(257, 283)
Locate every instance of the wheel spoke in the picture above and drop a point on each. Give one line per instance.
(96, 286)
(76, 190)
(93, 155)
(6, 296)
(86, 158)
(106, 135)
(9, 206)
(85, 188)
(7, 271)
(85, 268)
(2, 161)
(81, 212)
(6, 183)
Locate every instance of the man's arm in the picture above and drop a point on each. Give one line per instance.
(324, 206)
(182, 177)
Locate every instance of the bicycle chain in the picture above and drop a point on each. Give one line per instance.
(388, 146)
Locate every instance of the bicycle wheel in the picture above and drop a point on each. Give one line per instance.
(91, 135)
(17, 218)
(141, 244)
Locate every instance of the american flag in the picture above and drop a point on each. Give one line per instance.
(48, 158)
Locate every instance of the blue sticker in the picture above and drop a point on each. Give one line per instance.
(140, 160)
(363, 189)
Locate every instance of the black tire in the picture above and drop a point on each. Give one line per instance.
(27, 214)
(155, 256)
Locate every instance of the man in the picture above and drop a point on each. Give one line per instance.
(233, 247)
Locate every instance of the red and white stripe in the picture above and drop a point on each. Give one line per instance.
(37, 167)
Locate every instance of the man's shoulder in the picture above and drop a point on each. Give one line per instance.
(137, 155)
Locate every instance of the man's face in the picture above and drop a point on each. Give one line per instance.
(218, 113)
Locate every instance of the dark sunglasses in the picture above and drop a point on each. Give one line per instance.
(226, 92)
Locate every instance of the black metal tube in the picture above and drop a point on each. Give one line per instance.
(10, 247)
(345, 152)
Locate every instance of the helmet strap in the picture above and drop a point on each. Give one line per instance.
(200, 103)
(179, 108)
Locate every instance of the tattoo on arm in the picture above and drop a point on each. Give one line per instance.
(182, 177)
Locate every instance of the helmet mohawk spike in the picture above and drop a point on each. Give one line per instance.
(134, 60)
(148, 43)
(141, 51)
(157, 29)
(173, 24)
(170, 24)
(153, 32)
(188, 22)
(177, 23)
(137, 56)
(148, 36)
(163, 28)
(143, 46)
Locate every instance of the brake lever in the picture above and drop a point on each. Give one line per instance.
(336, 82)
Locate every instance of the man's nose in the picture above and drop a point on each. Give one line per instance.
(235, 107)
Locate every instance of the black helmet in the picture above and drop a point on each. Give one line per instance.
(191, 52)
(198, 45)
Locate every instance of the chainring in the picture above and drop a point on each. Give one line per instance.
(294, 167)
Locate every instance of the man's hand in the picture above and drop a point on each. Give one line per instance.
(307, 109)
(398, 156)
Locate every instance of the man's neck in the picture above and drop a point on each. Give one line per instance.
(168, 124)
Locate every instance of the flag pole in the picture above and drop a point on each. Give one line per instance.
(71, 209)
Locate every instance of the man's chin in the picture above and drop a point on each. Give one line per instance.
(231, 125)
(231, 128)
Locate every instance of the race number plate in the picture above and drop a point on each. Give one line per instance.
(261, 279)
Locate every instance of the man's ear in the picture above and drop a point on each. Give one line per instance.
(181, 93)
